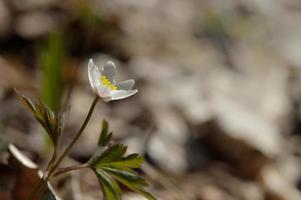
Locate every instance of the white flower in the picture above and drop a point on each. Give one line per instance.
(104, 85)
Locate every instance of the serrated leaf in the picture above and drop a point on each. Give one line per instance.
(104, 135)
(26, 102)
(132, 181)
(108, 138)
(116, 166)
(127, 175)
(130, 161)
(110, 187)
(145, 193)
(111, 166)
(113, 153)
(50, 121)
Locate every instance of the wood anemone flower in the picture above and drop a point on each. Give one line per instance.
(104, 84)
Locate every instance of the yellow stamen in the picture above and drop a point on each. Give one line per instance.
(106, 82)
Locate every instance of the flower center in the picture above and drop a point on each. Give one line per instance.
(107, 83)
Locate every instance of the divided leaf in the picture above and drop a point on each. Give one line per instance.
(114, 153)
(131, 161)
(51, 122)
(132, 181)
(110, 187)
(112, 165)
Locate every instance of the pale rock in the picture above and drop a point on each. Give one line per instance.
(35, 24)
(276, 182)
(32, 4)
(168, 142)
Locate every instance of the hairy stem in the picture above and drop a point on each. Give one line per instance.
(79, 133)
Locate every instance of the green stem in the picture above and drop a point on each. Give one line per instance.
(51, 162)
(79, 133)
(68, 169)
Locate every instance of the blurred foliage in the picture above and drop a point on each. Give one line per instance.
(226, 24)
(87, 16)
(51, 61)
(52, 53)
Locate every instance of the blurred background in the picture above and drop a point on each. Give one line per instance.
(217, 115)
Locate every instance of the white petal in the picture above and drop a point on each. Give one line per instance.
(93, 74)
(126, 85)
(106, 99)
(103, 91)
(121, 94)
(109, 70)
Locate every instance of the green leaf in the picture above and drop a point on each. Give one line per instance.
(127, 175)
(110, 187)
(112, 165)
(113, 153)
(26, 101)
(130, 161)
(131, 180)
(52, 123)
(105, 137)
